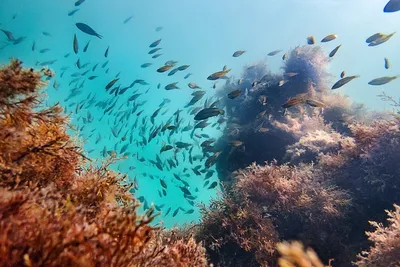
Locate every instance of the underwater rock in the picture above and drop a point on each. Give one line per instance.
(333, 169)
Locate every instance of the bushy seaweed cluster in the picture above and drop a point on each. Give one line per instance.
(59, 209)
(329, 171)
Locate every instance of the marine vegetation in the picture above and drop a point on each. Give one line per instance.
(59, 208)
(310, 166)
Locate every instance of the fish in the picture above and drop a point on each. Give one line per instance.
(183, 67)
(285, 56)
(175, 212)
(392, 6)
(236, 143)
(383, 80)
(381, 40)
(72, 12)
(334, 51)
(172, 72)
(387, 63)
(92, 77)
(374, 37)
(75, 45)
(219, 74)
(329, 38)
(234, 94)
(152, 51)
(159, 28)
(213, 185)
(156, 55)
(106, 53)
(273, 53)
(166, 148)
(9, 35)
(127, 19)
(171, 86)
(86, 47)
(310, 40)
(164, 68)
(342, 74)
(47, 34)
(87, 29)
(110, 84)
(208, 112)
(293, 101)
(79, 2)
(33, 46)
(146, 65)
(44, 50)
(163, 184)
(262, 99)
(193, 85)
(238, 53)
(155, 43)
(315, 103)
(187, 75)
(344, 81)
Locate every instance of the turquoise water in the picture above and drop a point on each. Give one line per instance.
(203, 34)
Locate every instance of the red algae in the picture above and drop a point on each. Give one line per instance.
(56, 209)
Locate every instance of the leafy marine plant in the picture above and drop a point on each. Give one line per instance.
(59, 208)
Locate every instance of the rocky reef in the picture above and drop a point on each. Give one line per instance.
(310, 172)
(57, 207)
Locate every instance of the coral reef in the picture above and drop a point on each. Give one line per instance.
(56, 207)
(315, 173)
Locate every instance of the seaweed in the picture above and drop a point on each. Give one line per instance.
(58, 207)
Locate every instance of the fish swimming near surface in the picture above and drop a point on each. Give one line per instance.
(383, 80)
(171, 86)
(273, 53)
(152, 51)
(329, 38)
(127, 19)
(342, 74)
(146, 65)
(164, 68)
(106, 53)
(387, 63)
(209, 112)
(310, 40)
(79, 2)
(72, 12)
(110, 84)
(87, 29)
(155, 43)
(218, 75)
(392, 6)
(374, 37)
(86, 47)
(183, 67)
(47, 34)
(344, 81)
(75, 45)
(381, 40)
(334, 51)
(9, 35)
(33, 46)
(159, 28)
(238, 53)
